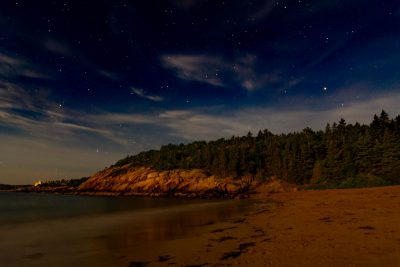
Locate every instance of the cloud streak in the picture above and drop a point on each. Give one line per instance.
(37, 115)
(193, 125)
(189, 124)
(57, 47)
(220, 72)
(14, 66)
(204, 69)
(142, 93)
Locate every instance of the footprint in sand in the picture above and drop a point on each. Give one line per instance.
(236, 253)
(224, 238)
(231, 255)
(325, 219)
(244, 246)
(259, 233)
(260, 211)
(222, 229)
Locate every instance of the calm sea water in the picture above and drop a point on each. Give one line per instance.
(64, 230)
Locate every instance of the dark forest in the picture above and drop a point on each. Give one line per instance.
(343, 155)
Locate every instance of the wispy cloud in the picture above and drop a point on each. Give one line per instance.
(14, 66)
(194, 125)
(220, 72)
(57, 47)
(264, 9)
(15, 97)
(39, 116)
(142, 93)
(110, 75)
(35, 114)
(205, 69)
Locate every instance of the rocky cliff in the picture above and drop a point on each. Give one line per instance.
(145, 181)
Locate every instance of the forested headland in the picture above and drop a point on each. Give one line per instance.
(342, 155)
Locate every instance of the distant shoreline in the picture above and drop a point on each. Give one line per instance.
(256, 191)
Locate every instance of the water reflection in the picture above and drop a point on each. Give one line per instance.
(174, 223)
(107, 239)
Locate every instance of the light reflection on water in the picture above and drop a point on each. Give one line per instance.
(179, 222)
(107, 237)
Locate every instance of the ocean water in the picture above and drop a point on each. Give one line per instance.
(65, 230)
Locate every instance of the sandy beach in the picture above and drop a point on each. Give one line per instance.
(346, 227)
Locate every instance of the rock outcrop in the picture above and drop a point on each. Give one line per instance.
(145, 181)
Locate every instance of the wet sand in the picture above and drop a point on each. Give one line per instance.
(346, 227)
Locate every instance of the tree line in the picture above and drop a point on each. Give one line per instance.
(342, 155)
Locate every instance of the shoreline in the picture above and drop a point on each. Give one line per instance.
(349, 227)
(200, 188)
(177, 195)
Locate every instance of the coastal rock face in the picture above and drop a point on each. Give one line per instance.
(127, 180)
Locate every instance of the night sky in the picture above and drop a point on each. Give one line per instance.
(84, 83)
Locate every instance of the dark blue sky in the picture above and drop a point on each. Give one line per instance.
(84, 83)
